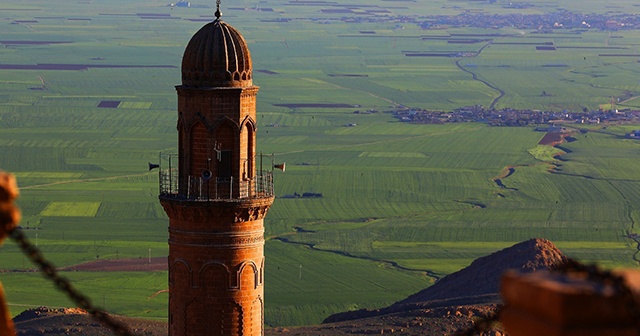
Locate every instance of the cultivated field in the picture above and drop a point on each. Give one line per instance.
(87, 99)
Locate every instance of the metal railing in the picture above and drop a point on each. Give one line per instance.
(211, 188)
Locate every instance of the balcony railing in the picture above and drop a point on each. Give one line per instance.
(205, 189)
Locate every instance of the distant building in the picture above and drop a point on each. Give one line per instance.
(182, 3)
(635, 134)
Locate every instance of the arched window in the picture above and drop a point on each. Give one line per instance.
(199, 149)
(248, 154)
(224, 140)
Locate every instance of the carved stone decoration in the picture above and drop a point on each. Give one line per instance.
(242, 212)
(232, 321)
(218, 240)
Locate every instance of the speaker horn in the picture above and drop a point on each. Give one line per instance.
(153, 166)
(280, 166)
(206, 174)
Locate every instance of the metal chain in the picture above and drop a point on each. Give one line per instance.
(63, 284)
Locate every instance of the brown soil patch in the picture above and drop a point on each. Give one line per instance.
(109, 104)
(552, 139)
(122, 265)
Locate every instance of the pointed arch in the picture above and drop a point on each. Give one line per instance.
(180, 125)
(254, 276)
(198, 118)
(214, 276)
(225, 120)
(233, 317)
(178, 316)
(225, 138)
(262, 271)
(199, 148)
(248, 120)
(247, 153)
(179, 273)
(194, 319)
(257, 312)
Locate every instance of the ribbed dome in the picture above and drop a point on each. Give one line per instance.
(217, 56)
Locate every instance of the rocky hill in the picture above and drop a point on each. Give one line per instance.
(476, 284)
(481, 279)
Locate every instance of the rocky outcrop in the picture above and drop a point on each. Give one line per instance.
(76, 321)
(476, 284)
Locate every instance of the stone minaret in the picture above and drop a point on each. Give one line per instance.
(214, 195)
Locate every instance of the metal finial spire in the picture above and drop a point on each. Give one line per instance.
(218, 13)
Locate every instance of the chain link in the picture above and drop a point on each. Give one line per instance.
(63, 284)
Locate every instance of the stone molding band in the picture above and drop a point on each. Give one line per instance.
(216, 240)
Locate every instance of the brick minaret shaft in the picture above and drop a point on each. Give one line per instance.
(216, 208)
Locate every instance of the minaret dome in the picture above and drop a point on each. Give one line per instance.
(217, 56)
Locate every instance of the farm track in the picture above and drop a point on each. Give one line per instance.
(629, 99)
(349, 255)
(475, 77)
(82, 180)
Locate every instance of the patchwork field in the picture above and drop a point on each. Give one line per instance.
(87, 100)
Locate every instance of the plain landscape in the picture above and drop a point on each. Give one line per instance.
(371, 208)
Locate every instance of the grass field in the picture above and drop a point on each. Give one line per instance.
(90, 100)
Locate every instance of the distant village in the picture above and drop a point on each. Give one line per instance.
(542, 23)
(513, 117)
(562, 19)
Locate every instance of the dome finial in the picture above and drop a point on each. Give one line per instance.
(218, 13)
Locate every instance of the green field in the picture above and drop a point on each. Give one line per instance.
(402, 204)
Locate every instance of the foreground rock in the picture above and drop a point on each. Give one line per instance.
(75, 321)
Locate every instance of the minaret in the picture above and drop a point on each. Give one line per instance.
(214, 196)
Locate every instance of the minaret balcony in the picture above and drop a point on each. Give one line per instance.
(207, 188)
(198, 188)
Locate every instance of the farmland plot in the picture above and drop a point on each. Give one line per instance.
(87, 100)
